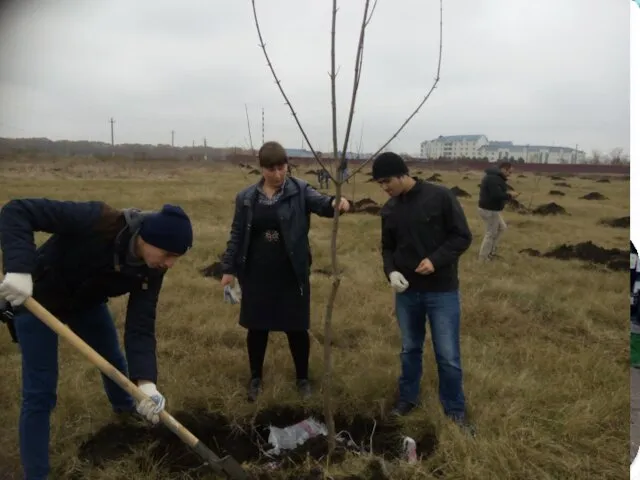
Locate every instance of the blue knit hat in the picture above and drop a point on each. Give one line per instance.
(169, 229)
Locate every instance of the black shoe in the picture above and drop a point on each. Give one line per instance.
(465, 425)
(255, 385)
(402, 408)
(304, 388)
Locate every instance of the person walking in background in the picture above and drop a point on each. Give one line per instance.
(268, 253)
(493, 198)
(635, 304)
(95, 253)
(424, 232)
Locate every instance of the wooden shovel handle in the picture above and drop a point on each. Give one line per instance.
(227, 465)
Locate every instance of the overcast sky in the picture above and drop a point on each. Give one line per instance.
(544, 72)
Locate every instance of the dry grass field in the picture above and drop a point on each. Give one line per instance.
(544, 340)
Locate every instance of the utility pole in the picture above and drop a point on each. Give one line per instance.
(112, 142)
(172, 134)
(262, 125)
(205, 149)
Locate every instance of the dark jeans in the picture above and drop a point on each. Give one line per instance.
(442, 310)
(39, 347)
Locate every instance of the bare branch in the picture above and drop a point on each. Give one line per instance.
(413, 114)
(356, 83)
(373, 9)
(246, 112)
(284, 95)
(332, 76)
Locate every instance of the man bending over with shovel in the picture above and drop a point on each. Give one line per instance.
(95, 252)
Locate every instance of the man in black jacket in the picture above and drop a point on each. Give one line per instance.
(95, 252)
(424, 232)
(493, 197)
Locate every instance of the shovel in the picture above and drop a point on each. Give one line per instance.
(226, 465)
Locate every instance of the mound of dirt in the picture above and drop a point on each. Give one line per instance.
(311, 172)
(434, 178)
(214, 270)
(255, 172)
(556, 192)
(246, 441)
(522, 176)
(509, 188)
(594, 196)
(465, 178)
(458, 192)
(613, 258)
(555, 177)
(603, 180)
(515, 206)
(364, 202)
(549, 209)
(562, 184)
(622, 222)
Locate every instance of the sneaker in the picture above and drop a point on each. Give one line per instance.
(255, 385)
(402, 408)
(465, 425)
(304, 388)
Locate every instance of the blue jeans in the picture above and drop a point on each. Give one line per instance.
(39, 347)
(442, 309)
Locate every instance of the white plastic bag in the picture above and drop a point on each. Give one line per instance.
(232, 295)
(290, 437)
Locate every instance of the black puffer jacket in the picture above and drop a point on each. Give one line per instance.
(493, 190)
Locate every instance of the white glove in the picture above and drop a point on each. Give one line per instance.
(151, 408)
(16, 288)
(398, 282)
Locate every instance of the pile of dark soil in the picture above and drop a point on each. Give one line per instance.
(622, 222)
(509, 188)
(613, 258)
(311, 172)
(603, 180)
(549, 209)
(214, 270)
(255, 172)
(556, 192)
(555, 177)
(365, 205)
(246, 441)
(522, 176)
(562, 184)
(515, 206)
(436, 177)
(594, 196)
(458, 192)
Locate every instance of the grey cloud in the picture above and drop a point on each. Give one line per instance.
(536, 72)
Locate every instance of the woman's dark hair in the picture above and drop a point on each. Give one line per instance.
(272, 154)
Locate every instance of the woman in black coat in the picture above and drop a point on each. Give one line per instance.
(268, 253)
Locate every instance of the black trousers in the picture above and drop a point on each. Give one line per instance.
(299, 345)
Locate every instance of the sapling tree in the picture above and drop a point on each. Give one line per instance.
(339, 179)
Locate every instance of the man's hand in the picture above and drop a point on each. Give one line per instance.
(227, 279)
(343, 206)
(16, 288)
(425, 267)
(151, 408)
(398, 282)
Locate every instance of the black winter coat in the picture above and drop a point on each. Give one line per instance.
(298, 201)
(83, 264)
(493, 190)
